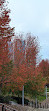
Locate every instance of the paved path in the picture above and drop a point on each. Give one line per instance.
(41, 109)
(21, 108)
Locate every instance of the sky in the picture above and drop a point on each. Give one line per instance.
(32, 16)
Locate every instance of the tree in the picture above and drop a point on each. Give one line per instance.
(18, 75)
(44, 68)
(25, 55)
(6, 33)
(36, 82)
(32, 50)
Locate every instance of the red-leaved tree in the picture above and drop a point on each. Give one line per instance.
(24, 70)
(44, 68)
(6, 33)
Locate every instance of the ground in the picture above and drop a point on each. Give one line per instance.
(18, 107)
(21, 108)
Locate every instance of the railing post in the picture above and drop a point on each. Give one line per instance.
(40, 105)
(45, 105)
(36, 103)
(2, 107)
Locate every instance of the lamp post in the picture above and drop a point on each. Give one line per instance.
(23, 96)
(46, 92)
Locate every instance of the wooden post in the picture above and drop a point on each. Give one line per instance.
(40, 105)
(46, 92)
(2, 107)
(36, 102)
(23, 96)
(45, 105)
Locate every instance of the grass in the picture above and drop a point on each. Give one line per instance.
(32, 97)
(47, 89)
(41, 98)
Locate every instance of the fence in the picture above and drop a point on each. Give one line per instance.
(6, 108)
(38, 105)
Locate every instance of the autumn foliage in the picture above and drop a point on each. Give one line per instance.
(25, 72)
(6, 33)
(44, 68)
(18, 58)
